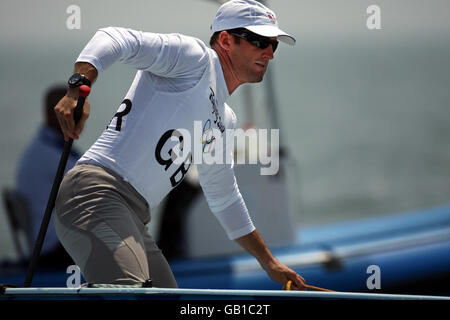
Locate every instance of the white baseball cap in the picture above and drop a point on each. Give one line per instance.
(251, 15)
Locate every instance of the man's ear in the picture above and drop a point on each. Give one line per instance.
(225, 40)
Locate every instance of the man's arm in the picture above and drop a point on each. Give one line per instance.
(165, 55)
(65, 108)
(87, 69)
(254, 244)
(227, 204)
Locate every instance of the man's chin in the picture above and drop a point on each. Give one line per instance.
(257, 78)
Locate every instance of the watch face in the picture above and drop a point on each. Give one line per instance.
(74, 79)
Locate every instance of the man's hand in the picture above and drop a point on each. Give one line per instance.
(281, 273)
(254, 244)
(64, 112)
(66, 106)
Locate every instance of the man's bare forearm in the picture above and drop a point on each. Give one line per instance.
(254, 244)
(87, 69)
(277, 271)
(66, 106)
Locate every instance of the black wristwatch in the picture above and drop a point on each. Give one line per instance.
(78, 79)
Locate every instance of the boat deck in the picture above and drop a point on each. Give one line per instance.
(194, 294)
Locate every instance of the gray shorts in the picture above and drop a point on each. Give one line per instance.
(101, 220)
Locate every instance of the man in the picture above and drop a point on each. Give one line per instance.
(104, 203)
(35, 175)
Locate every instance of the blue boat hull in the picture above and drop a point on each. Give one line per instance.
(411, 250)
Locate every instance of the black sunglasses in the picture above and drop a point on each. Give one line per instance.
(255, 39)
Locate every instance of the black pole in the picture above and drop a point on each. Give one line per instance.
(84, 92)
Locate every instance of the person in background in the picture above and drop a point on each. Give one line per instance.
(35, 175)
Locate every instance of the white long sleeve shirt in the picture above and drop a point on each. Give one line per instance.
(179, 81)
